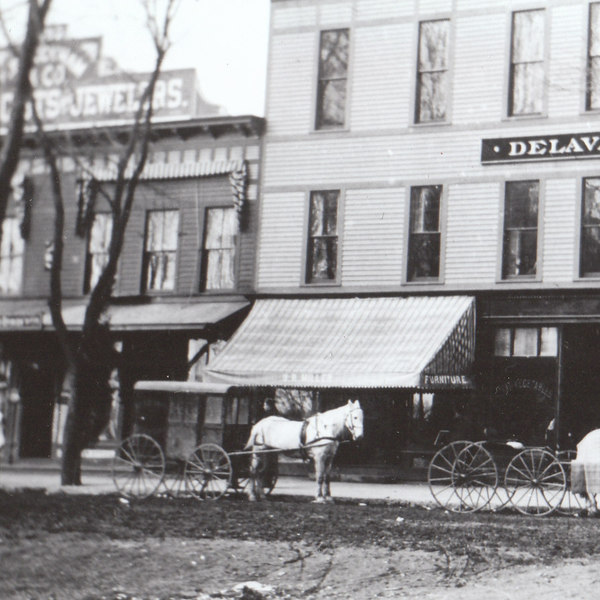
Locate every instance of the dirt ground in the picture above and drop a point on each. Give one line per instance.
(75, 547)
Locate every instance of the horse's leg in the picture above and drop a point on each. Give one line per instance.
(254, 466)
(328, 466)
(319, 476)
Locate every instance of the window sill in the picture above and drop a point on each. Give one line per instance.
(424, 281)
(531, 117)
(432, 124)
(520, 279)
(321, 284)
(330, 130)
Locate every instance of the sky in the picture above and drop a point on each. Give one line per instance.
(226, 41)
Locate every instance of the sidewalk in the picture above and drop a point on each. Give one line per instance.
(97, 479)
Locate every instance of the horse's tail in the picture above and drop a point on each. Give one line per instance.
(252, 439)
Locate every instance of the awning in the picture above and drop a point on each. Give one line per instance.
(17, 314)
(155, 316)
(418, 342)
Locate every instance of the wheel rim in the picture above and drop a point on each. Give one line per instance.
(208, 472)
(439, 475)
(138, 467)
(475, 477)
(537, 480)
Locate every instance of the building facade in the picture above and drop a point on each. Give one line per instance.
(441, 148)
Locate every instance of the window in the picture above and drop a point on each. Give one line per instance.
(589, 262)
(160, 253)
(526, 341)
(333, 76)
(424, 233)
(219, 249)
(321, 264)
(592, 97)
(12, 250)
(97, 250)
(527, 63)
(519, 256)
(432, 76)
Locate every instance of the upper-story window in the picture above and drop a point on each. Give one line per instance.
(424, 233)
(592, 96)
(160, 250)
(333, 78)
(526, 341)
(589, 262)
(12, 251)
(219, 249)
(519, 256)
(97, 249)
(432, 76)
(527, 63)
(322, 249)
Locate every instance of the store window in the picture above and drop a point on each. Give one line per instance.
(97, 249)
(589, 262)
(333, 79)
(526, 341)
(527, 63)
(12, 251)
(519, 256)
(592, 97)
(424, 233)
(322, 248)
(160, 250)
(219, 251)
(432, 75)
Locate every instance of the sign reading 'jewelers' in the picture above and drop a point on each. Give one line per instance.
(545, 147)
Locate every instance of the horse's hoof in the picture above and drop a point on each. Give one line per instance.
(329, 500)
(251, 498)
(319, 500)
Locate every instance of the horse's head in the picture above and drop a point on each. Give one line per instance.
(354, 419)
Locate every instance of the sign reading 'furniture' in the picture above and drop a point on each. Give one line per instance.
(545, 147)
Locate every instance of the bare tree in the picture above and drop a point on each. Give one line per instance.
(91, 355)
(25, 55)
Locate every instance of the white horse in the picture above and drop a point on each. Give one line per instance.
(585, 469)
(318, 436)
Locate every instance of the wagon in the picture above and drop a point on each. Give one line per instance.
(466, 476)
(185, 440)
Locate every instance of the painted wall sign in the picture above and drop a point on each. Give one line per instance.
(545, 147)
(447, 381)
(13, 322)
(523, 383)
(73, 85)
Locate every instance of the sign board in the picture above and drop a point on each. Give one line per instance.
(15, 322)
(446, 382)
(545, 147)
(70, 87)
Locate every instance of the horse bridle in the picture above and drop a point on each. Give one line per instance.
(349, 424)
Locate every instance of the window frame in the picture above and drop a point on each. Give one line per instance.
(417, 120)
(307, 238)
(317, 106)
(204, 254)
(510, 96)
(146, 253)
(503, 229)
(580, 230)
(440, 233)
(512, 331)
(87, 287)
(16, 230)
(588, 61)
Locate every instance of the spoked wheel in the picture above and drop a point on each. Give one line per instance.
(572, 503)
(439, 475)
(475, 477)
(138, 466)
(538, 482)
(208, 472)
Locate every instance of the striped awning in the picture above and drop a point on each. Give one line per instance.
(418, 342)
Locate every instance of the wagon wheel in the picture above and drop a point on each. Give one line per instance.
(572, 503)
(138, 466)
(475, 477)
(538, 482)
(208, 472)
(242, 480)
(439, 475)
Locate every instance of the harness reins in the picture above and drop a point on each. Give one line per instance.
(304, 446)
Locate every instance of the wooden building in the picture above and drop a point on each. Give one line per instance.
(419, 149)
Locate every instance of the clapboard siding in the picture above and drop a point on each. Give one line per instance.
(559, 223)
(381, 82)
(480, 47)
(472, 230)
(291, 93)
(293, 15)
(282, 239)
(372, 247)
(434, 6)
(335, 14)
(567, 61)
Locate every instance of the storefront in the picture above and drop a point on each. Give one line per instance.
(408, 360)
